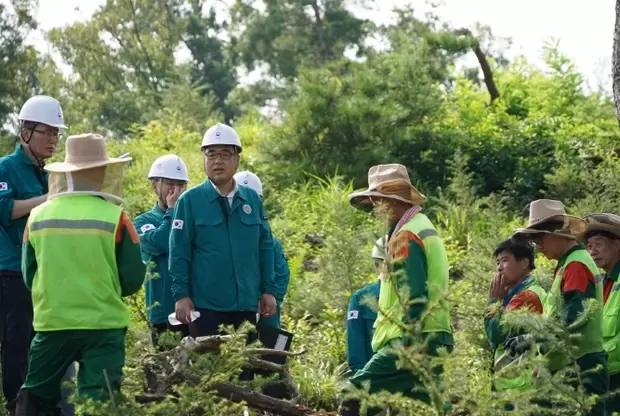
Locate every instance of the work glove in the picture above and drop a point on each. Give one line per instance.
(519, 344)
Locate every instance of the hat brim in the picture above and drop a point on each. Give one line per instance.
(361, 199)
(576, 228)
(602, 227)
(65, 167)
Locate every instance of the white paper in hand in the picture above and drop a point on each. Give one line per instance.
(172, 318)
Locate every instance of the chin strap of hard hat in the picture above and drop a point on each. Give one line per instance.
(40, 162)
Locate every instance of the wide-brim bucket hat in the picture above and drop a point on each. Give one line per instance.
(383, 180)
(85, 151)
(545, 211)
(604, 223)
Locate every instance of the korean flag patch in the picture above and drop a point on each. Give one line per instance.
(147, 227)
(353, 315)
(4, 186)
(178, 224)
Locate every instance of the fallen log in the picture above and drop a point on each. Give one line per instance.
(269, 351)
(259, 401)
(166, 370)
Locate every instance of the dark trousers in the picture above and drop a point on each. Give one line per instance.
(209, 322)
(100, 353)
(15, 333)
(159, 329)
(613, 404)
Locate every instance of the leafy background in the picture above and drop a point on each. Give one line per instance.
(311, 128)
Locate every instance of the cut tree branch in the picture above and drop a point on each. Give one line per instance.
(163, 371)
(259, 401)
(484, 63)
(238, 394)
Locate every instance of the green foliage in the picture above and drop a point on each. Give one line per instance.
(289, 34)
(479, 164)
(18, 69)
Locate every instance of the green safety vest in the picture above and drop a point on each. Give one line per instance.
(590, 339)
(438, 318)
(520, 379)
(611, 329)
(76, 285)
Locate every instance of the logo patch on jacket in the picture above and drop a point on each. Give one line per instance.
(178, 224)
(247, 209)
(353, 315)
(4, 186)
(147, 227)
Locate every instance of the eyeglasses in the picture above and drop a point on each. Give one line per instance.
(171, 182)
(225, 155)
(50, 133)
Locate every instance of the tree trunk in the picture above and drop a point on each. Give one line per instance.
(616, 62)
(487, 72)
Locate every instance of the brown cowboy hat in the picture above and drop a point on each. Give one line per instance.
(608, 223)
(380, 178)
(544, 211)
(85, 151)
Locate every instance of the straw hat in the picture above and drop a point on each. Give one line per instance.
(85, 151)
(380, 179)
(543, 211)
(603, 222)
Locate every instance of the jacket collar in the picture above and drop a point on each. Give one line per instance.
(157, 210)
(213, 193)
(568, 253)
(22, 156)
(615, 272)
(516, 289)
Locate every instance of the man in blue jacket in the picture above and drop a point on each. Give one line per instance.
(168, 176)
(221, 247)
(282, 274)
(23, 186)
(361, 317)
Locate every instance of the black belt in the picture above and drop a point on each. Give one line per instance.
(10, 273)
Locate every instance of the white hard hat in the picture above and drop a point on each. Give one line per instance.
(169, 167)
(378, 250)
(221, 134)
(43, 109)
(249, 179)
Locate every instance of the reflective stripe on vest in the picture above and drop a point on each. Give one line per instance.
(73, 225)
(76, 285)
(438, 318)
(590, 339)
(519, 379)
(611, 329)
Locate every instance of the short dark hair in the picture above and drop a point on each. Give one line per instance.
(519, 249)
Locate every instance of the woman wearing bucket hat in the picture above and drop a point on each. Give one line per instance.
(81, 256)
(576, 281)
(602, 240)
(419, 261)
